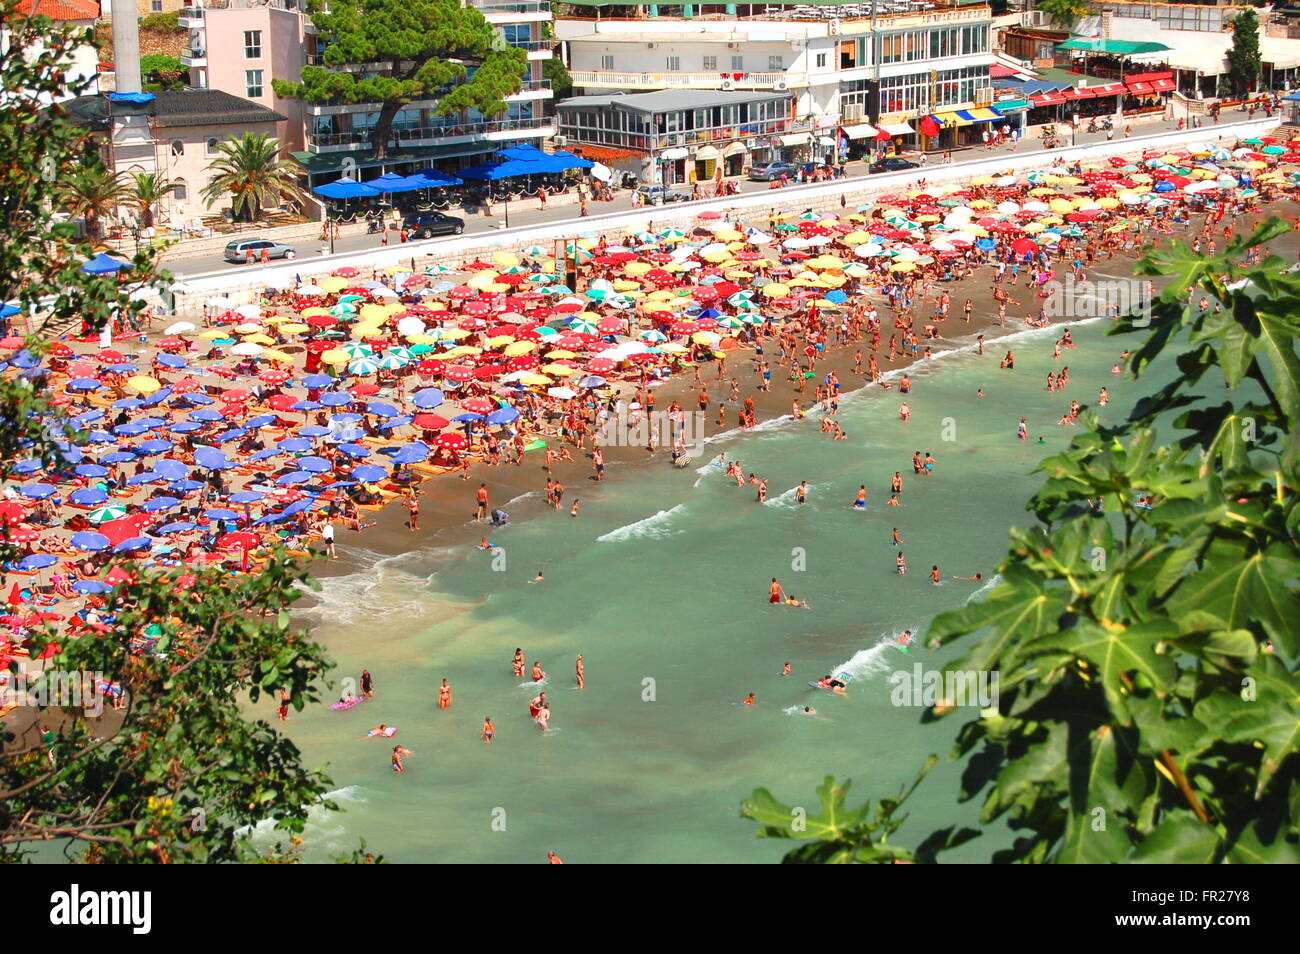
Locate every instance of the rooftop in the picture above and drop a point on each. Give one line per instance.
(666, 100)
(186, 107)
(60, 9)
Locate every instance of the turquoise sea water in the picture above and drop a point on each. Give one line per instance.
(664, 578)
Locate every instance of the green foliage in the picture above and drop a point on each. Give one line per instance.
(91, 192)
(1243, 56)
(162, 23)
(561, 82)
(408, 50)
(1064, 13)
(251, 171)
(1149, 706)
(162, 72)
(181, 773)
(148, 189)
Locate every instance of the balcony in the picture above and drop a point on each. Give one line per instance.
(190, 18)
(532, 89)
(656, 142)
(528, 90)
(536, 49)
(889, 14)
(608, 79)
(444, 133)
(520, 11)
(192, 56)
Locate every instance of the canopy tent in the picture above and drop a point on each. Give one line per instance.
(1113, 47)
(102, 264)
(345, 189)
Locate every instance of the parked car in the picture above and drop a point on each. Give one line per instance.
(428, 224)
(237, 251)
(660, 195)
(772, 170)
(894, 164)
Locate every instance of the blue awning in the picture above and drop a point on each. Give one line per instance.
(345, 189)
(1030, 87)
(102, 264)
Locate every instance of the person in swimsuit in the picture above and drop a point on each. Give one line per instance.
(775, 593)
(969, 579)
(543, 717)
(785, 670)
(762, 490)
(897, 539)
(519, 663)
(538, 675)
(809, 710)
(748, 700)
(488, 731)
(580, 673)
(801, 492)
(934, 574)
(398, 752)
(536, 705)
(367, 684)
(444, 695)
(900, 562)
(860, 502)
(896, 484)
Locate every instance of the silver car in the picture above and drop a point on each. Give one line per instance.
(239, 250)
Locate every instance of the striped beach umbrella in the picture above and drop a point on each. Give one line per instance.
(363, 365)
(106, 512)
(389, 362)
(355, 349)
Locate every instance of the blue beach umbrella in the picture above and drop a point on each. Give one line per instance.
(87, 540)
(38, 491)
(220, 513)
(334, 399)
(369, 472)
(428, 398)
(294, 477)
(87, 496)
(37, 561)
(90, 470)
(84, 384)
(134, 543)
(247, 496)
(177, 526)
(87, 587)
(159, 504)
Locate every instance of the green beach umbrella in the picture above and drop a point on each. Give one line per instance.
(355, 349)
(583, 326)
(406, 354)
(343, 310)
(363, 365)
(106, 512)
(389, 362)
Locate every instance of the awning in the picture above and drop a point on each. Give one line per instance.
(897, 129)
(675, 153)
(1163, 86)
(1140, 89)
(1012, 105)
(1149, 77)
(1107, 89)
(735, 149)
(706, 153)
(825, 141)
(860, 131)
(796, 139)
(967, 117)
(1117, 47)
(1047, 99)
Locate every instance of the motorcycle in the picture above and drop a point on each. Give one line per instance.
(1105, 125)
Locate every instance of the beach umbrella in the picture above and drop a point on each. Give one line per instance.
(87, 587)
(452, 440)
(38, 491)
(87, 496)
(177, 526)
(428, 398)
(37, 561)
(133, 543)
(87, 540)
(368, 473)
(107, 512)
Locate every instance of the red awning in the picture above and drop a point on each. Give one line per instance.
(1163, 86)
(1047, 99)
(1107, 89)
(1072, 95)
(1140, 89)
(1148, 77)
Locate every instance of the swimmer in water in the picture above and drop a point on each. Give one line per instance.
(836, 686)
(489, 733)
(801, 492)
(538, 675)
(896, 483)
(785, 670)
(934, 574)
(969, 579)
(444, 695)
(774, 592)
(906, 638)
(519, 663)
(538, 578)
(580, 673)
(486, 544)
(860, 502)
(748, 700)
(809, 710)
(900, 563)
(897, 539)
(398, 752)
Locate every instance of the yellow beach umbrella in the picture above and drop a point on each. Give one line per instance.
(213, 333)
(560, 353)
(333, 284)
(532, 380)
(452, 334)
(143, 384)
(500, 341)
(637, 268)
(776, 290)
(505, 259)
(274, 354)
(335, 356)
(902, 267)
(516, 348)
(559, 370)
(294, 328)
(248, 328)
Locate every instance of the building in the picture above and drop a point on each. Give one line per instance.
(183, 129)
(852, 70)
(1190, 42)
(146, 8)
(240, 45)
(79, 14)
(681, 136)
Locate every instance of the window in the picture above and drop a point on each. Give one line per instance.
(737, 64)
(252, 44)
(252, 83)
(776, 62)
(212, 145)
(821, 61)
(180, 190)
(155, 6)
(607, 62)
(673, 64)
(178, 147)
(710, 64)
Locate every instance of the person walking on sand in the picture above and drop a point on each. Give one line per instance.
(481, 509)
(413, 505)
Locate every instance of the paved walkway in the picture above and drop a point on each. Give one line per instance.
(478, 223)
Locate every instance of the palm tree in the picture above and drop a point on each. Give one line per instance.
(250, 170)
(1064, 13)
(91, 192)
(148, 191)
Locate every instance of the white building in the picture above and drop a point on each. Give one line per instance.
(78, 14)
(848, 68)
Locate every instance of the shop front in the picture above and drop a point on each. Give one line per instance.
(860, 139)
(960, 127)
(672, 166)
(706, 161)
(735, 159)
